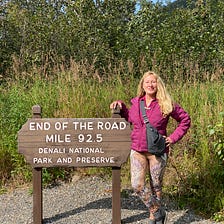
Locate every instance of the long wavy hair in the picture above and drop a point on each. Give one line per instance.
(164, 99)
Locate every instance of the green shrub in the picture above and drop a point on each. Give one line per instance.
(217, 133)
(196, 173)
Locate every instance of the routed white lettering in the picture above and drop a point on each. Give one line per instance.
(83, 125)
(85, 150)
(111, 126)
(42, 160)
(100, 125)
(98, 159)
(51, 150)
(43, 126)
(58, 138)
(122, 125)
(64, 160)
(60, 125)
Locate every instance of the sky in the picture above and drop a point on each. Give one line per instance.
(163, 1)
(154, 1)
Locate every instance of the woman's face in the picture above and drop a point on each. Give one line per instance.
(150, 85)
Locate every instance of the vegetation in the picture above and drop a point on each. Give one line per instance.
(63, 54)
(171, 38)
(196, 170)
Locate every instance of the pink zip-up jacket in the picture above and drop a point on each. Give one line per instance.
(138, 135)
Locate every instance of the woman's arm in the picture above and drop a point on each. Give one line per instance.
(184, 120)
(124, 110)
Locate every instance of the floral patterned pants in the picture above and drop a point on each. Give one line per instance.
(141, 165)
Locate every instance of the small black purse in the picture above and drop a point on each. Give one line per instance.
(155, 141)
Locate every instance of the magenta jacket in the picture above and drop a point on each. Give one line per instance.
(138, 135)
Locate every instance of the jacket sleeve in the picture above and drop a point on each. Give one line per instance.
(184, 122)
(124, 111)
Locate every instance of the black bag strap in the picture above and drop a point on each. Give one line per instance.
(156, 142)
(145, 118)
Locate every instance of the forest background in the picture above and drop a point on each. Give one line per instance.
(74, 57)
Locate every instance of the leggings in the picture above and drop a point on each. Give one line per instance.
(143, 163)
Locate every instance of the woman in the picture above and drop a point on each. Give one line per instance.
(159, 108)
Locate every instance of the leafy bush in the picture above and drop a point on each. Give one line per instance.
(44, 34)
(217, 133)
(79, 92)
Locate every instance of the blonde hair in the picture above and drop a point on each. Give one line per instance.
(164, 99)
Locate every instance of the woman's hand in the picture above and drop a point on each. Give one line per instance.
(168, 141)
(114, 104)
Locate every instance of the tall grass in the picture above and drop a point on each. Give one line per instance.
(194, 175)
(197, 169)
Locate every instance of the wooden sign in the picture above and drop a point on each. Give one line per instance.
(73, 142)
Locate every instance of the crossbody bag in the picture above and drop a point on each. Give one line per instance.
(155, 141)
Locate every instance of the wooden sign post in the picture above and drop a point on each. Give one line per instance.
(74, 142)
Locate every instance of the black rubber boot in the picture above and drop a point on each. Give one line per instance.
(152, 221)
(163, 220)
(160, 216)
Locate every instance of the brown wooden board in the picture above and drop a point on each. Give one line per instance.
(75, 142)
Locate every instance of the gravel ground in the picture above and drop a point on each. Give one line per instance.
(83, 201)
